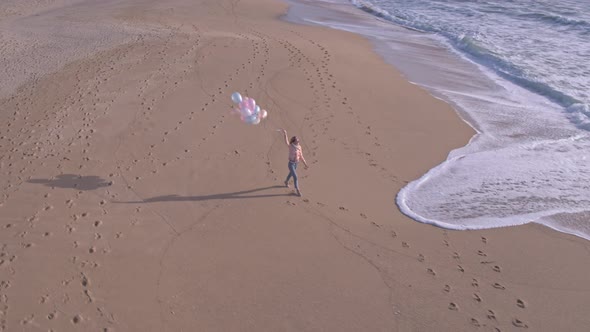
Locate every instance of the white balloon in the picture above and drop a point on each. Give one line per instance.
(236, 97)
(251, 119)
(247, 109)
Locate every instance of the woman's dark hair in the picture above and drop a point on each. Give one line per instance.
(293, 139)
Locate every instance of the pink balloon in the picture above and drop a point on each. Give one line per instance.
(243, 104)
(246, 112)
(251, 103)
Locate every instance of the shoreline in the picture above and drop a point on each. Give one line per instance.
(412, 53)
(139, 203)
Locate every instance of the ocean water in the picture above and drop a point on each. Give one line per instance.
(518, 72)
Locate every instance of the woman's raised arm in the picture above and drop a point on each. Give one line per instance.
(286, 137)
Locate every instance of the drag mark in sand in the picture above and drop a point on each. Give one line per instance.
(213, 95)
(200, 220)
(479, 312)
(331, 101)
(64, 142)
(157, 83)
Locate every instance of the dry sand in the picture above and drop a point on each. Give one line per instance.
(131, 200)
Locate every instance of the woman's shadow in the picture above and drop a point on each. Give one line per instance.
(92, 182)
(72, 181)
(232, 195)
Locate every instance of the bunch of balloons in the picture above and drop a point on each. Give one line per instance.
(249, 112)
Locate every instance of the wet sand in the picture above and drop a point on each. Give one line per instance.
(132, 200)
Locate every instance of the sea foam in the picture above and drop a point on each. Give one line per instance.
(517, 82)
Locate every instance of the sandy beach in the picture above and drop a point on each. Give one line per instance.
(133, 200)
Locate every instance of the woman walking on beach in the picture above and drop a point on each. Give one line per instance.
(295, 155)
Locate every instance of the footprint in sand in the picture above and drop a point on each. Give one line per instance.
(475, 322)
(5, 284)
(28, 320)
(498, 286)
(496, 268)
(481, 253)
(453, 306)
(420, 258)
(44, 299)
(518, 323)
(431, 272)
(460, 268)
(84, 280)
(77, 319)
(484, 240)
(476, 297)
(405, 245)
(520, 303)
(456, 255)
(474, 283)
(491, 315)
(447, 288)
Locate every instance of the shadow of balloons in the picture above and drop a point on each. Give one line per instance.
(72, 181)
